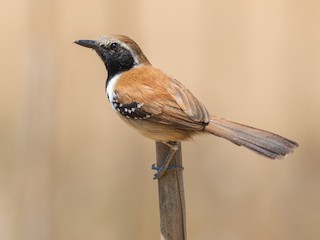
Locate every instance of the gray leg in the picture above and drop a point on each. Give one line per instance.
(165, 166)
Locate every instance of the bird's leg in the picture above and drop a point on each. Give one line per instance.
(165, 166)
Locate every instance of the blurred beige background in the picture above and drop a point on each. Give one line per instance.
(69, 169)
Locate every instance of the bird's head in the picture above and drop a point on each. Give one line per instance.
(118, 52)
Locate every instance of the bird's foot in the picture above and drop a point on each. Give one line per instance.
(162, 170)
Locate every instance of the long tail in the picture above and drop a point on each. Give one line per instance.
(262, 142)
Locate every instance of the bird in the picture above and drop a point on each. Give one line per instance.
(163, 109)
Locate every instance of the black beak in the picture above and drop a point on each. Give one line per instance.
(88, 43)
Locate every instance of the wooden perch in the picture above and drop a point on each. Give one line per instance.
(171, 197)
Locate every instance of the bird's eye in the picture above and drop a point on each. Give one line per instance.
(114, 45)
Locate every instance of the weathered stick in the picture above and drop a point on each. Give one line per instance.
(171, 197)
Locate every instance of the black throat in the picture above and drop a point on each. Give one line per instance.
(117, 62)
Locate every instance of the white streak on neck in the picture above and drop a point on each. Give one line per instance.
(110, 88)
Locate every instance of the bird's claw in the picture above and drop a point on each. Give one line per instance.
(161, 171)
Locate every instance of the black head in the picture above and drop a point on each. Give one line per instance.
(119, 53)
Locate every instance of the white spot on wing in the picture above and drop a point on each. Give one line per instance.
(139, 105)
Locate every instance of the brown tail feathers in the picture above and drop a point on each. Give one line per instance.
(262, 142)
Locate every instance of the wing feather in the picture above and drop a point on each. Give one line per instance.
(163, 99)
(188, 102)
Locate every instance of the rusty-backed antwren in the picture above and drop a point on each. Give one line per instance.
(162, 109)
